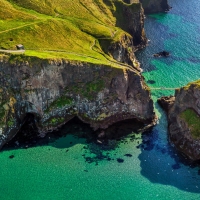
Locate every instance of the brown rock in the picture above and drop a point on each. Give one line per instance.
(166, 102)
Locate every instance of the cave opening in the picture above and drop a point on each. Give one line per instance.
(28, 135)
(123, 128)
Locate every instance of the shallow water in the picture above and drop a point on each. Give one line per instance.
(71, 168)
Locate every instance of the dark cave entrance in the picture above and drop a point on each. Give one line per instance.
(28, 135)
(123, 128)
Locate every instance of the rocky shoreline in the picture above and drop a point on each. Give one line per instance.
(98, 95)
(183, 119)
(55, 91)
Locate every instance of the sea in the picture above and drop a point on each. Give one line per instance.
(137, 167)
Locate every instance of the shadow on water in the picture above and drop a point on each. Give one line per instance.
(117, 134)
(157, 33)
(155, 45)
(76, 132)
(161, 163)
(29, 137)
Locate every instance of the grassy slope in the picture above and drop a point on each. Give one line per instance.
(60, 28)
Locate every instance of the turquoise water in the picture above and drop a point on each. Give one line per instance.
(71, 168)
(178, 33)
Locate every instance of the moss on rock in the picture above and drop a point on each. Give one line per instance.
(193, 121)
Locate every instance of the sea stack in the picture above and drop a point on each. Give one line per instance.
(184, 119)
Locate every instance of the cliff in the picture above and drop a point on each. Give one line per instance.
(155, 6)
(73, 66)
(135, 23)
(55, 91)
(184, 120)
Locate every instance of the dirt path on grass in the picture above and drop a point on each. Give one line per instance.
(12, 51)
(11, 29)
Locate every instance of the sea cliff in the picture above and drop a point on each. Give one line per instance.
(100, 83)
(55, 91)
(184, 120)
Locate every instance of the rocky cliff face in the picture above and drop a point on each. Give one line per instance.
(184, 120)
(166, 102)
(56, 91)
(155, 6)
(135, 23)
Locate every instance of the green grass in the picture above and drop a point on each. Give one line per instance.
(92, 88)
(55, 121)
(87, 90)
(95, 86)
(193, 121)
(10, 122)
(59, 103)
(64, 28)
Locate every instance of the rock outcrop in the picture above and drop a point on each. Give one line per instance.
(166, 102)
(55, 91)
(184, 120)
(155, 6)
(161, 54)
(135, 23)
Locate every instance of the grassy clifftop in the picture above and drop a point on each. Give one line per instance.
(62, 28)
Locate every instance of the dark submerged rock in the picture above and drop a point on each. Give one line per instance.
(128, 155)
(151, 81)
(11, 156)
(120, 160)
(176, 166)
(162, 54)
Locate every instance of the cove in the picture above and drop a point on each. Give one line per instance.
(72, 168)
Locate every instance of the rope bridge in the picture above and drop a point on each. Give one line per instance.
(163, 88)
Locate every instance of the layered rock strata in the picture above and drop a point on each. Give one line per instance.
(56, 91)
